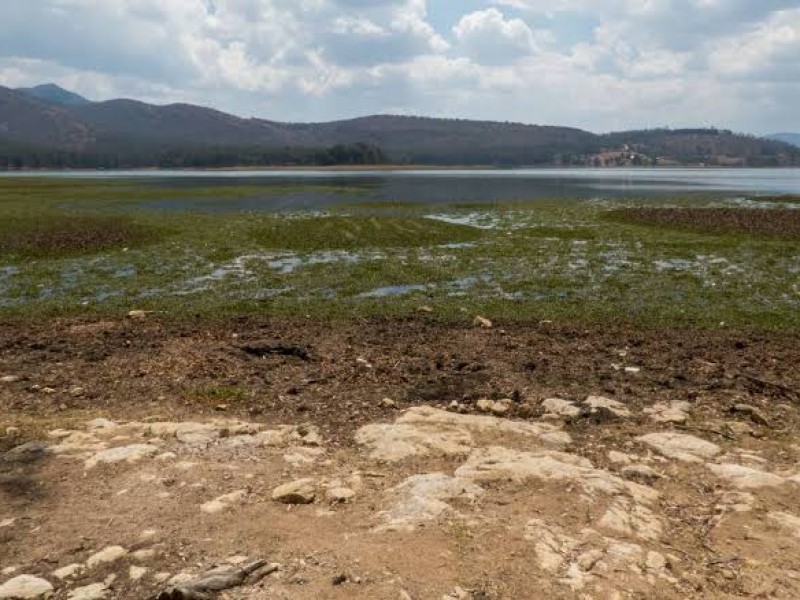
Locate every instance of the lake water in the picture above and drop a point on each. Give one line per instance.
(448, 186)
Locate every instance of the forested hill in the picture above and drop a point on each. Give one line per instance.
(47, 126)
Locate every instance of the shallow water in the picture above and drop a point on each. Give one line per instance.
(437, 187)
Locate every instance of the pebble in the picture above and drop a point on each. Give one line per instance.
(388, 403)
(25, 587)
(296, 492)
(484, 405)
(10, 379)
(482, 322)
(340, 495)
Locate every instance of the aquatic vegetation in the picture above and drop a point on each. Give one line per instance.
(676, 262)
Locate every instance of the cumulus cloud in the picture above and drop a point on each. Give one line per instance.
(489, 37)
(600, 65)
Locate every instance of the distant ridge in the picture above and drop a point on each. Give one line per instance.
(789, 138)
(49, 126)
(50, 92)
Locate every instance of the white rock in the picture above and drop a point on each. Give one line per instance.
(7, 522)
(107, 555)
(483, 322)
(100, 424)
(223, 502)
(562, 408)
(736, 502)
(424, 497)
(423, 430)
(746, 478)
(144, 554)
(674, 412)
(397, 441)
(340, 495)
(95, 591)
(296, 492)
(128, 454)
(136, 573)
(68, 571)
(786, 521)
(631, 519)
(25, 587)
(679, 446)
(196, 434)
(620, 458)
(10, 379)
(484, 405)
(615, 407)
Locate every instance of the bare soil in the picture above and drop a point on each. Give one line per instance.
(335, 377)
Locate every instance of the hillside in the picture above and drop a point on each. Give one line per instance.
(49, 126)
(32, 122)
(788, 138)
(55, 95)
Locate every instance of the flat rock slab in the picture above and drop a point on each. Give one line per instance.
(597, 404)
(786, 521)
(25, 587)
(128, 454)
(94, 591)
(424, 498)
(497, 463)
(745, 477)
(562, 408)
(674, 412)
(679, 446)
(424, 431)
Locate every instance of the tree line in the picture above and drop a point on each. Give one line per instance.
(180, 157)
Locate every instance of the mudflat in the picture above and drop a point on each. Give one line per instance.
(261, 457)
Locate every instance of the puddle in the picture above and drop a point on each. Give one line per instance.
(394, 290)
(475, 219)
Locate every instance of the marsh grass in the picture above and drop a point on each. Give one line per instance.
(358, 232)
(582, 261)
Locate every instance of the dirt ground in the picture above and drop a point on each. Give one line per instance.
(432, 464)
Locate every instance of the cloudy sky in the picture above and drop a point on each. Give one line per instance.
(597, 64)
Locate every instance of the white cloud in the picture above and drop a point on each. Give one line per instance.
(600, 65)
(488, 37)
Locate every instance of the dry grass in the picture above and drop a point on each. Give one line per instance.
(41, 237)
(783, 224)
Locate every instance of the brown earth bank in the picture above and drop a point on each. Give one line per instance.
(396, 459)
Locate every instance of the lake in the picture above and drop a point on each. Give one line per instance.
(326, 188)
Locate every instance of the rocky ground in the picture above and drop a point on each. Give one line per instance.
(397, 460)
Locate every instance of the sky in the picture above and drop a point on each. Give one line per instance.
(601, 65)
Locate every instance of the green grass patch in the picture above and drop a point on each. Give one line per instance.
(354, 233)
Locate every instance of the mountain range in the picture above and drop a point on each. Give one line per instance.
(47, 126)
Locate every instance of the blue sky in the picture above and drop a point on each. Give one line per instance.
(600, 65)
